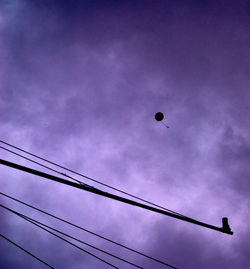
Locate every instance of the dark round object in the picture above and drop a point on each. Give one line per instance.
(159, 116)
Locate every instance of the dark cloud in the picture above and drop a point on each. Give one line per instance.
(233, 157)
(192, 250)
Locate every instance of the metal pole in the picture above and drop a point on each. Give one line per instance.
(223, 229)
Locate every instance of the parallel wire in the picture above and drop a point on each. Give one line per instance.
(45, 166)
(78, 240)
(20, 215)
(26, 251)
(88, 231)
(47, 226)
(79, 174)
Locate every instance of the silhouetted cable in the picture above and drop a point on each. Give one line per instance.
(45, 166)
(26, 251)
(91, 254)
(88, 231)
(84, 176)
(78, 240)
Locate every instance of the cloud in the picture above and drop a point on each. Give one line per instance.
(80, 85)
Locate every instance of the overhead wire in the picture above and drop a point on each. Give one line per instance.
(33, 221)
(63, 239)
(79, 174)
(45, 166)
(88, 231)
(26, 251)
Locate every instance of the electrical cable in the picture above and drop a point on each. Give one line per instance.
(58, 231)
(65, 240)
(84, 176)
(26, 251)
(88, 231)
(45, 166)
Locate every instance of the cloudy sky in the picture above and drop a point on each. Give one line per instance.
(80, 82)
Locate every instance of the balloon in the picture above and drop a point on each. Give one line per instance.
(159, 116)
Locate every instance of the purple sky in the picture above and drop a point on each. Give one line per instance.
(80, 84)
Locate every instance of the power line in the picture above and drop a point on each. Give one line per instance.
(45, 166)
(88, 231)
(82, 175)
(58, 231)
(224, 229)
(65, 240)
(26, 251)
